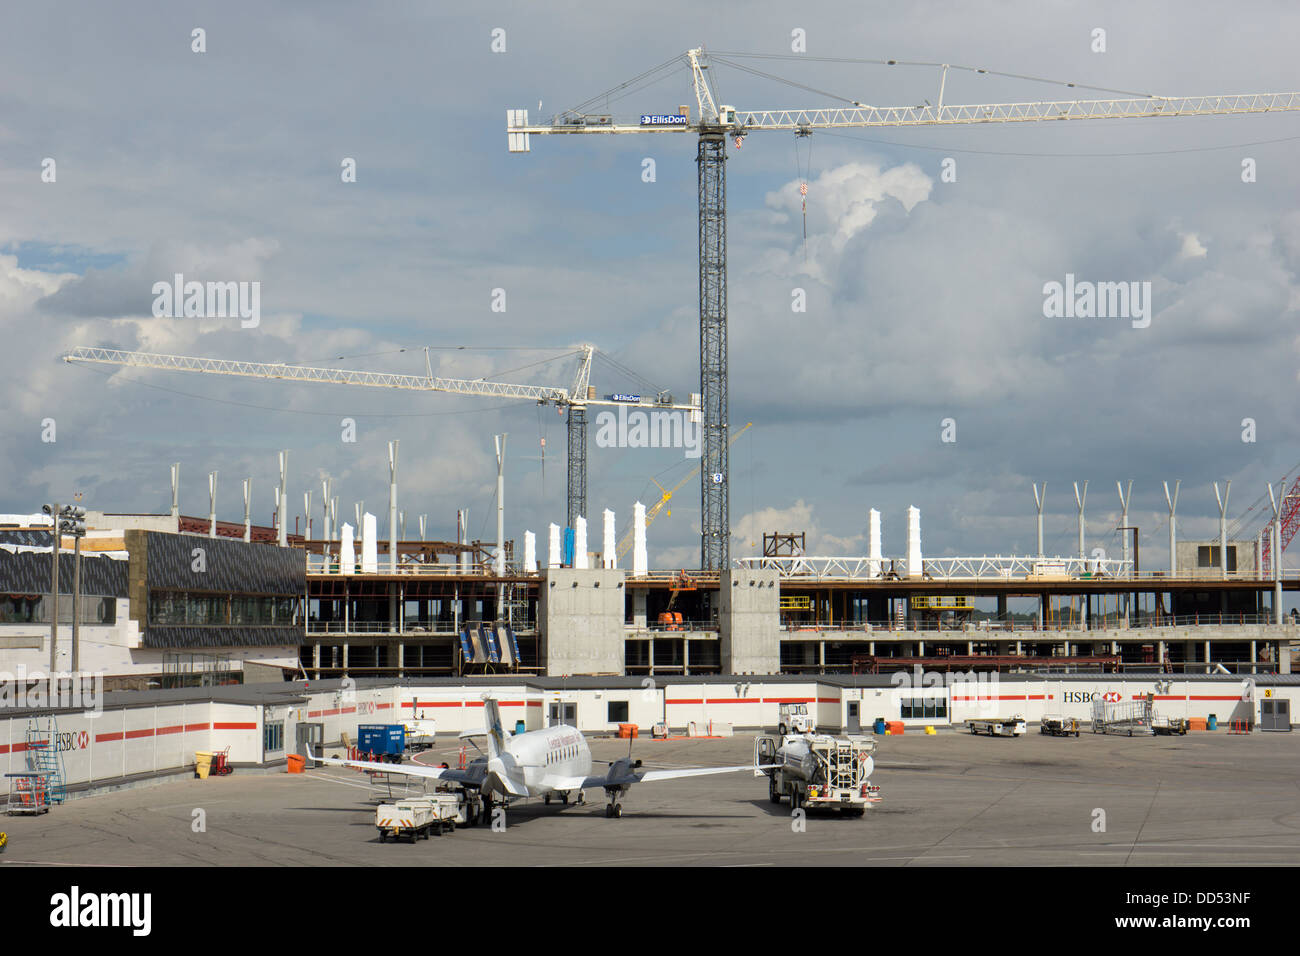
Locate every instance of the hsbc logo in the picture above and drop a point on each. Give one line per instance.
(1088, 696)
(71, 740)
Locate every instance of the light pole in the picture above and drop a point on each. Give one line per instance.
(53, 512)
(68, 519)
(75, 524)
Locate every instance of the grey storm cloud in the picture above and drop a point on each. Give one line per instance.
(924, 297)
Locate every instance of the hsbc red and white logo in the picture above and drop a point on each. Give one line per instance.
(1088, 696)
(71, 740)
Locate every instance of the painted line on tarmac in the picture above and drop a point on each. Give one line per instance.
(331, 779)
(112, 866)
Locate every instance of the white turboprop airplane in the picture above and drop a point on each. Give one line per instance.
(540, 763)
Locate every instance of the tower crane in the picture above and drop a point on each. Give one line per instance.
(714, 123)
(575, 398)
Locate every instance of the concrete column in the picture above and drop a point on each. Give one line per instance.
(686, 656)
(914, 559)
(401, 658)
(1161, 646)
(749, 621)
(345, 659)
(920, 648)
(970, 649)
(315, 657)
(652, 652)
(640, 560)
(1207, 652)
(639, 607)
(1002, 606)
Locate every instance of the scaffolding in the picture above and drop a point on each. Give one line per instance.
(1134, 717)
(195, 669)
(45, 760)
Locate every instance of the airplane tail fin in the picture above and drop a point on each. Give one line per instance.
(495, 730)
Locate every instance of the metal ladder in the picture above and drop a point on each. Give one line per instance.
(43, 756)
(844, 769)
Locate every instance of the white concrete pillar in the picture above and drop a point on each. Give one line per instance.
(347, 551)
(873, 542)
(553, 546)
(580, 561)
(369, 544)
(530, 553)
(640, 558)
(609, 549)
(913, 542)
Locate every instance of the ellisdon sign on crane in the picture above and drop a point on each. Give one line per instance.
(664, 119)
(625, 397)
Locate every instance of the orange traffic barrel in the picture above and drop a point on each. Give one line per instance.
(296, 763)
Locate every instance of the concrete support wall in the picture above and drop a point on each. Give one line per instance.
(749, 621)
(580, 615)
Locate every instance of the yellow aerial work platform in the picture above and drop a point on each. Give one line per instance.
(945, 602)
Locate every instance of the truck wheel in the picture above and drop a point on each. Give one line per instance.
(773, 792)
(383, 837)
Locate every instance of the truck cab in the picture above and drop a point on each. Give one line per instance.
(795, 719)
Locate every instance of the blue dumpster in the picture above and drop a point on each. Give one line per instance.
(1212, 723)
(385, 742)
(879, 726)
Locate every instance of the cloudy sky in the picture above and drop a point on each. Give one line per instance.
(924, 296)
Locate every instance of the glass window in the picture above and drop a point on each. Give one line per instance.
(273, 736)
(618, 712)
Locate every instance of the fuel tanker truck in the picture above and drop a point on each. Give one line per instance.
(818, 771)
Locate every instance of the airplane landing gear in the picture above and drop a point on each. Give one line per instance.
(613, 809)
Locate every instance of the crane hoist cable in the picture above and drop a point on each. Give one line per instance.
(804, 172)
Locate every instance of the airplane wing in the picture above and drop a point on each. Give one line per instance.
(411, 770)
(645, 776)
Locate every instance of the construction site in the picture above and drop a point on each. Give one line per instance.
(188, 685)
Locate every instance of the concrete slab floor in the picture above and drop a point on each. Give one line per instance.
(949, 800)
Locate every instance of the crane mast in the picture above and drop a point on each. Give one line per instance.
(715, 122)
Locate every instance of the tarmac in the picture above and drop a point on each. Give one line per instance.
(948, 800)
